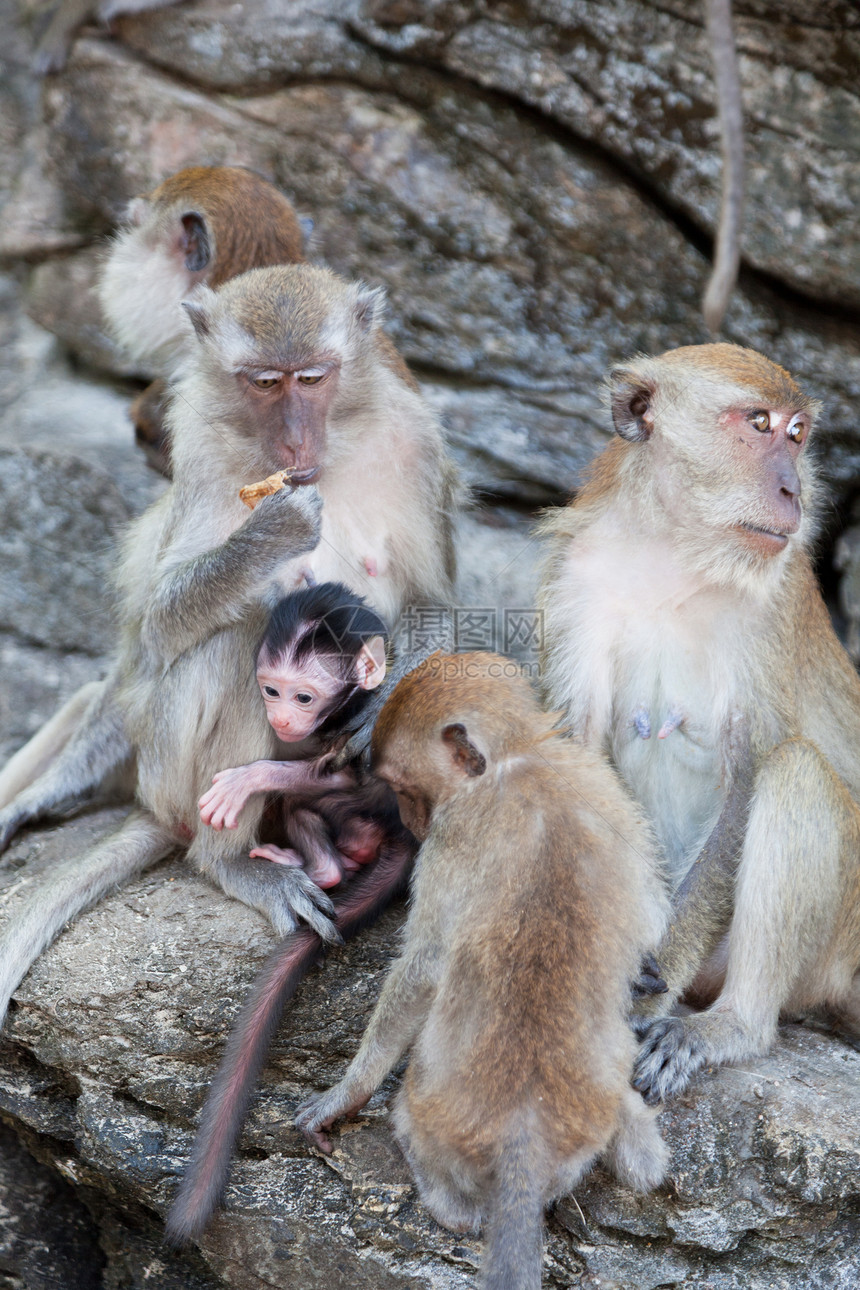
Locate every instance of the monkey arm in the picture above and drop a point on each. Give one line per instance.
(397, 1018)
(220, 806)
(702, 907)
(216, 589)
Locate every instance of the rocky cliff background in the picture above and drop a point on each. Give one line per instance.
(535, 182)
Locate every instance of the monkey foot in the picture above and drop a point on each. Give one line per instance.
(671, 1053)
(649, 981)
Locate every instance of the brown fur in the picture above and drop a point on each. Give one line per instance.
(534, 899)
(660, 597)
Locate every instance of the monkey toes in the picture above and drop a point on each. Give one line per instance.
(670, 1055)
(649, 981)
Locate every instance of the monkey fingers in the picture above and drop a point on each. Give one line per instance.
(320, 1112)
(671, 1053)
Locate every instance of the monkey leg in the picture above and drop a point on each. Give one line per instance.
(398, 1016)
(637, 1154)
(448, 1193)
(31, 761)
(283, 893)
(72, 887)
(794, 938)
(94, 749)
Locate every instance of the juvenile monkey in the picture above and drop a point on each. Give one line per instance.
(69, 15)
(291, 372)
(321, 656)
(205, 224)
(534, 897)
(685, 636)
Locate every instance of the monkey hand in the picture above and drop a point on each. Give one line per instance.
(221, 805)
(293, 515)
(319, 1113)
(671, 1053)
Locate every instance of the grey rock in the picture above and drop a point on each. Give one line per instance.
(115, 1033)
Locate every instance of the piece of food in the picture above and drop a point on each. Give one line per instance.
(251, 494)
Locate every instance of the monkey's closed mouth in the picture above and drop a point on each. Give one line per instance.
(304, 476)
(781, 538)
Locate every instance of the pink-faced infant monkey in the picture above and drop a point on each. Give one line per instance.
(322, 654)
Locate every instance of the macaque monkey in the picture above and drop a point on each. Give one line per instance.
(69, 15)
(686, 637)
(534, 897)
(291, 373)
(322, 654)
(204, 224)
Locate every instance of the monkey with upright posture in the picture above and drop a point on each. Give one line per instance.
(686, 637)
(535, 895)
(205, 224)
(291, 372)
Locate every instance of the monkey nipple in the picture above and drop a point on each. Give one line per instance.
(672, 722)
(641, 719)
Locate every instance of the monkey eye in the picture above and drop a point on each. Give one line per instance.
(304, 698)
(309, 378)
(796, 431)
(270, 692)
(264, 382)
(761, 421)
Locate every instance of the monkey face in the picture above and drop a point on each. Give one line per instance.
(289, 408)
(297, 697)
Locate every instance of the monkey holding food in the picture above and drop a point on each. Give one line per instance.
(535, 895)
(290, 371)
(679, 601)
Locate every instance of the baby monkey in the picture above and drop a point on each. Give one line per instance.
(535, 895)
(322, 654)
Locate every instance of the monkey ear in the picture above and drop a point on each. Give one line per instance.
(370, 663)
(369, 306)
(464, 754)
(630, 398)
(194, 242)
(198, 306)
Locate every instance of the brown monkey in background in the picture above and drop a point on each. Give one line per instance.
(535, 895)
(292, 372)
(205, 224)
(685, 636)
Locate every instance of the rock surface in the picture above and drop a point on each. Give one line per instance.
(535, 184)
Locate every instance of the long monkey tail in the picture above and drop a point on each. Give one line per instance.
(513, 1249)
(71, 887)
(225, 1107)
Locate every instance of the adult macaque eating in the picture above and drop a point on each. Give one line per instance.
(535, 896)
(679, 601)
(205, 224)
(291, 372)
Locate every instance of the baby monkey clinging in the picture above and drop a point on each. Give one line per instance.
(535, 897)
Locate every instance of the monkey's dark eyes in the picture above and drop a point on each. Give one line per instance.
(270, 692)
(307, 379)
(761, 421)
(304, 699)
(265, 382)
